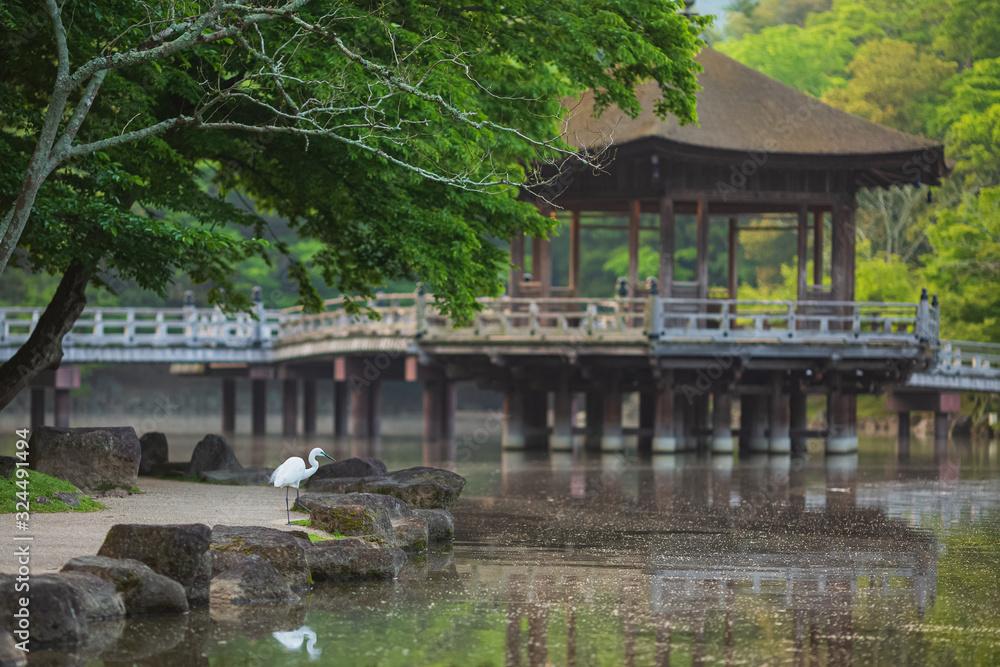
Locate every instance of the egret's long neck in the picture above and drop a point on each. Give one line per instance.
(313, 465)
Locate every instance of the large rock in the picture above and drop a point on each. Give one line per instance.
(251, 580)
(281, 549)
(410, 534)
(154, 451)
(57, 612)
(354, 559)
(142, 590)
(212, 453)
(10, 654)
(353, 515)
(242, 477)
(393, 506)
(440, 524)
(354, 467)
(100, 598)
(90, 458)
(423, 488)
(176, 551)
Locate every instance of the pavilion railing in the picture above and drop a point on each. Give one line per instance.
(966, 357)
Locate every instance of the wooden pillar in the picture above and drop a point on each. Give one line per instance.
(258, 405)
(666, 278)
(517, 270)
(798, 419)
(340, 396)
(754, 410)
(37, 407)
(366, 403)
(734, 232)
(229, 406)
(817, 248)
(779, 440)
(574, 253)
(664, 434)
(903, 434)
(62, 407)
(309, 407)
(802, 258)
(635, 209)
(439, 410)
(513, 419)
(542, 249)
(536, 412)
(611, 435)
(647, 419)
(289, 407)
(683, 422)
(722, 423)
(940, 427)
(842, 260)
(701, 267)
(842, 433)
(562, 409)
(594, 406)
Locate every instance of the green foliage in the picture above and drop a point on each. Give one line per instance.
(40, 484)
(893, 84)
(965, 268)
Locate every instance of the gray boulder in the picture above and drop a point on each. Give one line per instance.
(242, 477)
(421, 487)
(281, 549)
(353, 514)
(252, 579)
(440, 524)
(354, 559)
(101, 600)
(393, 506)
(71, 499)
(90, 458)
(410, 534)
(10, 654)
(57, 615)
(154, 451)
(142, 590)
(178, 551)
(8, 464)
(354, 467)
(212, 453)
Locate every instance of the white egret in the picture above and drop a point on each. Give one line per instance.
(293, 640)
(292, 472)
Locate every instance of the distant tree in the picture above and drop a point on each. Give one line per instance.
(751, 16)
(970, 31)
(892, 83)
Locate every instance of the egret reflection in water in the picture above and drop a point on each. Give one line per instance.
(293, 640)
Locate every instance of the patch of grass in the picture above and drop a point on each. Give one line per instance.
(307, 523)
(43, 485)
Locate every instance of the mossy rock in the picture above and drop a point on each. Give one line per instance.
(280, 548)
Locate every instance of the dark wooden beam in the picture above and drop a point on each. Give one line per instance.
(666, 278)
(633, 246)
(701, 265)
(802, 253)
(817, 247)
(734, 232)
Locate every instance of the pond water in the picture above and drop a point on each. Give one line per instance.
(609, 560)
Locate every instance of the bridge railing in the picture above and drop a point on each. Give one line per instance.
(385, 315)
(729, 319)
(967, 357)
(150, 327)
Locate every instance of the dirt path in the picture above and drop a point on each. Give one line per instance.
(59, 537)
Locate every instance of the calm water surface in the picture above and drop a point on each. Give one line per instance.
(614, 561)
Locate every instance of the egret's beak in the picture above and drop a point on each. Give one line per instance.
(329, 457)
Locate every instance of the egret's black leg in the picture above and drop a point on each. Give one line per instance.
(288, 514)
(297, 497)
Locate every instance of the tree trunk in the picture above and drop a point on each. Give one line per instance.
(43, 349)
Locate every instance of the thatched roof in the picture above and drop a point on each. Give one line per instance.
(741, 109)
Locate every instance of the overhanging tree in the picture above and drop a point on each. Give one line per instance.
(399, 135)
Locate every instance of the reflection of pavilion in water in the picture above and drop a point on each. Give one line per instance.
(729, 549)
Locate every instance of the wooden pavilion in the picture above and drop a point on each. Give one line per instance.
(760, 147)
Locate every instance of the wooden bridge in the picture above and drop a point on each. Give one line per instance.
(677, 353)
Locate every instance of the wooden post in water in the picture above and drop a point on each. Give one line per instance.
(289, 407)
(797, 418)
(340, 396)
(229, 405)
(722, 423)
(562, 409)
(309, 407)
(779, 441)
(513, 422)
(594, 406)
(258, 405)
(664, 434)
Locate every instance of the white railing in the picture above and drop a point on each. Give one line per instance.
(960, 357)
(386, 315)
(150, 327)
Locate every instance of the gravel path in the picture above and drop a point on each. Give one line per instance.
(61, 536)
